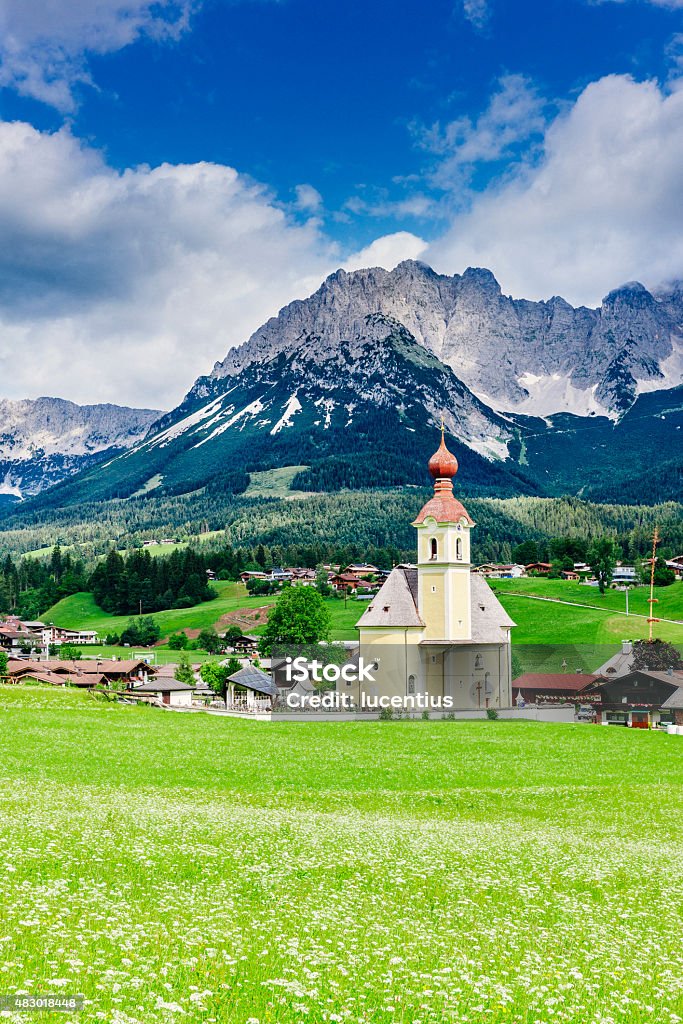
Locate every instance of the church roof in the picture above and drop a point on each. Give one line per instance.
(489, 618)
(395, 603)
(444, 508)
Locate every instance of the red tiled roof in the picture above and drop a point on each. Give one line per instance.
(553, 681)
(444, 508)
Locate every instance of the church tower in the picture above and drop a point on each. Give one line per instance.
(443, 556)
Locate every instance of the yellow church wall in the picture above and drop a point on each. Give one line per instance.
(397, 656)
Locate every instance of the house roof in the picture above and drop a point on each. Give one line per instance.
(618, 665)
(162, 686)
(675, 700)
(254, 679)
(553, 681)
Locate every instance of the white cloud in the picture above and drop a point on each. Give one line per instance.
(387, 251)
(126, 286)
(601, 206)
(44, 45)
(308, 199)
(476, 11)
(514, 116)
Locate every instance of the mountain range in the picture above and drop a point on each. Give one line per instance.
(45, 440)
(351, 383)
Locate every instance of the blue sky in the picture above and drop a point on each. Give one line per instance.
(541, 139)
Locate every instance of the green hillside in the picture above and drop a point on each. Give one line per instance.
(80, 612)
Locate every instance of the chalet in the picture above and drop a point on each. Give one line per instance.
(249, 575)
(570, 574)
(244, 644)
(538, 568)
(171, 692)
(14, 641)
(57, 635)
(635, 699)
(86, 673)
(552, 688)
(345, 581)
(676, 563)
(303, 578)
(361, 569)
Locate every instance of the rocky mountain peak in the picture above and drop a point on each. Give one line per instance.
(517, 355)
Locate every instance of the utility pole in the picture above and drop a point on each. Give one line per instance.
(627, 599)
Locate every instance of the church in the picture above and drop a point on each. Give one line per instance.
(436, 629)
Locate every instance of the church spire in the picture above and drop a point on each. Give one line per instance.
(443, 506)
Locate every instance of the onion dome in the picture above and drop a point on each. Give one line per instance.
(443, 464)
(443, 507)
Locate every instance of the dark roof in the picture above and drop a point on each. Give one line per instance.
(254, 679)
(162, 686)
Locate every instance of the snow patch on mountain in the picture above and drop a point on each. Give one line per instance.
(182, 426)
(292, 407)
(549, 394)
(672, 370)
(253, 409)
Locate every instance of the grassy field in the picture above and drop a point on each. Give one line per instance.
(669, 599)
(186, 867)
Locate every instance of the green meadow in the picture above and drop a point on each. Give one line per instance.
(188, 867)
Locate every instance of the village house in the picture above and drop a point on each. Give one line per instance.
(83, 672)
(436, 629)
(165, 689)
(636, 699)
(497, 571)
(345, 581)
(361, 570)
(537, 568)
(552, 688)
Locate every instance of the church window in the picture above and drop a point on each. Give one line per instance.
(433, 549)
(411, 684)
(458, 549)
(479, 661)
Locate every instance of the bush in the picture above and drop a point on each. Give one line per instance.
(386, 714)
(491, 714)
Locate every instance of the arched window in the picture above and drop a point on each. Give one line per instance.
(433, 549)
(478, 661)
(411, 684)
(458, 549)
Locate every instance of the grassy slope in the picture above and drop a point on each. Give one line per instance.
(380, 872)
(670, 599)
(80, 611)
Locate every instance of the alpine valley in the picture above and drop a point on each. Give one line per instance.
(350, 385)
